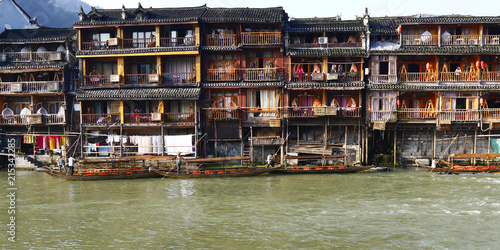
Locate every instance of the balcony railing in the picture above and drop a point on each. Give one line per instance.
(222, 40)
(418, 77)
(222, 75)
(459, 115)
(141, 78)
(419, 39)
(179, 78)
(416, 113)
(261, 38)
(458, 76)
(95, 45)
(179, 117)
(33, 119)
(262, 74)
(30, 87)
(493, 76)
(139, 42)
(460, 39)
(100, 119)
(491, 39)
(31, 56)
(178, 41)
(295, 112)
(138, 118)
(383, 79)
(223, 113)
(491, 113)
(94, 80)
(383, 116)
(324, 45)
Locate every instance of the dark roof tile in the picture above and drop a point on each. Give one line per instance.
(326, 52)
(140, 94)
(38, 35)
(301, 85)
(245, 15)
(241, 84)
(323, 25)
(449, 19)
(384, 25)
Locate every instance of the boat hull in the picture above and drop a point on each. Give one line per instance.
(320, 170)
(241, 172)
(460, 169)
(104, 174)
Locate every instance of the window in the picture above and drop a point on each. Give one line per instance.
(101, 37)
(223, 98)
(17, 104)
(263, 102)
(181, 107)
(106, 68)
(141, 39)
(261, 59)
(52, 105)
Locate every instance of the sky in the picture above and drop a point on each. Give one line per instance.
(348, 9)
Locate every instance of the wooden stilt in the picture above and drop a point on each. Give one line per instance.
(434, 144)
(395, 148)
(426, 141)
(403, 141)
(418, 140)
(465, 143)
(216, 139)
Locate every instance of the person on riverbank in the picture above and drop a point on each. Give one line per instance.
(60, 163)
(178, 161)
(71, 164)
(270, 161)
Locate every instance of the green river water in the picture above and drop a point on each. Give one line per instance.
(409, 209)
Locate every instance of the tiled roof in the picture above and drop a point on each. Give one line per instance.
(241, 84)
(323, 25)
(245, 15)
(449, 19)
(440, 50)
(153, 15)
(301, 85)
(38, 35)
(326, 52)
(137, 50)
(383, 25)
(451, 87)
(140, 94)
(221, 48)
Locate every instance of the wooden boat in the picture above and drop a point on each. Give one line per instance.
(318, 169)
(223, 171)
(103, 174)
(470, 166)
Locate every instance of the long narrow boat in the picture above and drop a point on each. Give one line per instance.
(316, 169)
(103, 174)
(223, 171)
(470, 166)
(320, 169)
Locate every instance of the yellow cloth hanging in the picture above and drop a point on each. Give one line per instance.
(52, 143)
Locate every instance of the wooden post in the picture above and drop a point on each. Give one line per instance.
(251, 145)
(489, 143)
(345, 145)
(395, 148)
(163, 141)
(121, 141)
(215, 143)
(434, 141)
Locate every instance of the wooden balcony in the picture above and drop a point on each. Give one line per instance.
(31, 56)
(261, 38)
(95, 45)
(139, 43)
(223, 113)
(227, 40)
(459, 115)
(178, 41)
(179, 118)
(134, 43)
(383, 116)
(96, 80)
(491, 114)
(460, 39)
(30, 87)
(100, 119)
(141, 78)
(179, 79)
(263, 74)
(33, 119)
(493, 76)
(491, 39)
(419, 39)
(216, 75)
(324, 45)
(458, 77)
(139, 118)
(416, 113)
(418, 77)
(390, 79)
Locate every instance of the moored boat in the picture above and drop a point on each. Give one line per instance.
(320, 169)
(468, 163)
(103, 174)
(214, 173)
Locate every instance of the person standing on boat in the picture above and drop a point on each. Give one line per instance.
(60, 163)
(178, 161)
(71, 164)
(434, 163)
(270, 161)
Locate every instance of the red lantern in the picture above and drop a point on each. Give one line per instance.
(399, 30)
(482, 64)
(481, 101)
(428, 66)
(398, 103)
(477, 64)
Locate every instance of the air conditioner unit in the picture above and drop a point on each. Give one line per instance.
(3, 57)
(53, 86)
(113, 41)
(332, 76)
(35, 119)
(156, 117)
(55, 56)
(114, 78)
(16, 87)
(323, 40)
(153, 78)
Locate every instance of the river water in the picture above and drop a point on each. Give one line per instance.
(410, 209)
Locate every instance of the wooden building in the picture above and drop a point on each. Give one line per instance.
(242, 80)
(433, 89)
(37, 73)
(140, 77)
